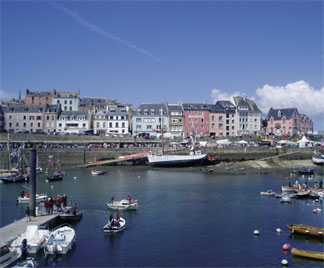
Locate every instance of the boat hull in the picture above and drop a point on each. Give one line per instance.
(175, 160)
(66, 217)
(308, 254)
(307, 230)
(318, 160)
(12, 179)
(60, 241)
(115, 229)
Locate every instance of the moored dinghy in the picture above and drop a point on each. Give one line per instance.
(306, 230)
(60, 241)
(308, 254)
(35, 237)
(123, 204)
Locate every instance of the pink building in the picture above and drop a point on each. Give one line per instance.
(288, 121)
(196, 119)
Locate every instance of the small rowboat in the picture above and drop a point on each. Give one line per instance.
(55, 178)
(70, 217)
(308, 254)
(306, 230)
(268, 192)
(98, 172)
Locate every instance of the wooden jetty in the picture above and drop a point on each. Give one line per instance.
(11, 231)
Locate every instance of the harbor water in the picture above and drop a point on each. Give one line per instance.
(184, 219)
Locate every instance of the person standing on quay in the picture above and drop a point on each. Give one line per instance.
(27, 214)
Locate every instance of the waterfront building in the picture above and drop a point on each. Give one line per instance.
(222, 119)
(176, 120)
(248, 116)
(288, 121)
(51, 114)
(114, 121)
(74, 122)
(38, 97)
(146, 119)
(69, 101)
(2, 119)
(24, 118)
(88, 103)
(196, 116)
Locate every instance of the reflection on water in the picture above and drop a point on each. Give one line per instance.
(183, 219)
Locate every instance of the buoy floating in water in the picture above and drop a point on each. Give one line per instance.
(284, 262)
(52, 187)
(315, 211)
(286, 247)
(74, 177)
(256, 232)
(278, 230)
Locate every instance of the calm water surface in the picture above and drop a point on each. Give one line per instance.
(184, 219)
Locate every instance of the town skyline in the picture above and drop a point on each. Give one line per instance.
(158, 51)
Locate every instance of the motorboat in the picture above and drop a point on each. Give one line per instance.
(15, 178)
(55, 177)
(268, 192)
(60, 241)
(123, 204)
(318, 159)
(70, 217)
(98, 172)
(35, 237)
(302, 194)
(115, 227)
(285, 199)
(306, 170)
(25, 199)
(9, 255)
(28, 263)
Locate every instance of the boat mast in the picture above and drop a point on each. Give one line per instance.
(162, 141)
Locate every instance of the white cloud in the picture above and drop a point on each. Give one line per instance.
(300, 94)
(7, 96)
(217, 95)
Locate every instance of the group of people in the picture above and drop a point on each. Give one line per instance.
(114, 222)
(129, 198)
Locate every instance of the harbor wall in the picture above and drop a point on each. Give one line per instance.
(71, 157)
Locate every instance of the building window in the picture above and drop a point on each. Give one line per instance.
(123, 124)
(149, 127)
(104, 124)
(98, 124)
(117, 125)
(138, 120)
(220, 125)
(70, 108)
(70, 102)
(65, 102)
(220, 118)
(17, 124)
(38, 124)
(110, 125)
(24, 117)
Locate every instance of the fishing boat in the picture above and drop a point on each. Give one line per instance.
(115, 226)
(98, 172)
(306, 230)
(302, 194)
(123, 204)
(9, 255)
(268, 193)
(306, 170)
(194, 157)
(308, 254)
(25, 199)
(55, 177)
(70, 217)
(60, 241)
(35, 237)
(15, 178)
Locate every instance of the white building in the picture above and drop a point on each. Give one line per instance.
(74, 122)
(69, 101)
(248, 119)
(111, 121)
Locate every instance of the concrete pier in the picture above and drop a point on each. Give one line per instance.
(11, 231)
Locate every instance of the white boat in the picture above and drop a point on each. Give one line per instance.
(318, 159)
(285, 199)
(35, 237)
(268, 192)
(25, 199)
(116, 227)
(60, 241)
(8, 255)
(98, 172)
(28, 263)
(123, 204)
(169, 160)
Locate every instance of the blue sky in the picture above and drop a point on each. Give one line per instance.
(152, 51)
